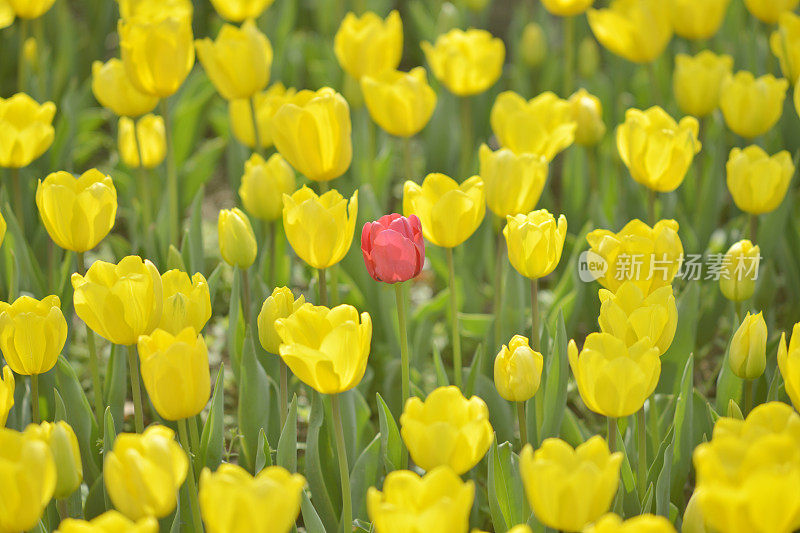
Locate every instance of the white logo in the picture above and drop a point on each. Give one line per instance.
(591, 266)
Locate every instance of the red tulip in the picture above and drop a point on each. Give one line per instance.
(393, 248)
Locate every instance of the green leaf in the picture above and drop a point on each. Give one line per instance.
(469, 387)
(212, 440)
(663, 483)
(555, 390)
(673, 362)
(235, 324)
(311, 519)
(95, 503)
(507, 504)
(116, 380)
(684, 431)
(109, 436)
(264, 452)
(441, 374)
(254, 402)
(365, 474)
(729, 386)
(287, 444)
(391, 443)
(317, 444)
(193, 240)
(734, 411)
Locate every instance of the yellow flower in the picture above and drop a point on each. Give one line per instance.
(437, 501)
(119, 302)
(533, 45)
(748, 355)
(113, 89)
(769, 11)
(233, 501)
(698, 19)
(267, 104)
(788, 362)
(646, 523)
(587, 113)
(570, 488)
(280, 304)
(613, 379)
(513, 183)
(757, 181)
(26, 130)
(739, 271)
(239, 10)
(517, 370)
(693, 521)
(637, 30)
(27, 480)
(446, 429)
(149, 137)
(449, 212)
(237, 242)
(588, 57)
(368, 45)
(3, 228)
(63, 444)
(6, 395)
(752, 106)
(143, 472)
(312, 132)
(327, 349)
(319, 228)
(567, 8)
(535, 242)
(30, 9)
(109, 522)
(696, 81)
(263, 185)
(187, 302)
(543, 125)
(32, 334)
(785, 45)
(401, 103)
(154, 10)
(658, 252)
(631, 316)
(466, 62)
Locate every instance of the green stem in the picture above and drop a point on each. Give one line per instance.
(246, 296)
(651, 70)
(651, 206)
(535, 314)
(753, 228)
(19, 208)
(498, 289)
(641, 441)
(466, 137)
(144, 185)
(344, 471)
(405, 374)
(136, 389)
(748, 396)
(94, 365)
(334, 296)
(569, 55)
(739, 316)
(454, 319)
(322, 287)
(523, 425)
(407, 163)
(194, 435)
(197, 522)
(284, 391)
(172, 179)
(21, 70)
(612, 433)
(256, 134)
(35, 398)
(63, 510)
(271, 258)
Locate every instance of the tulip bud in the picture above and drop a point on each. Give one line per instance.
(148, 138)
(392, 247)
(240, 10)
(587, 112)
(517, 370)
(785, 45)
(739, 271)
(567, 8)
(26, 130)
(31, 53)
(788, 363)
(263, 185)
(109, 522)
(367, 45)
(637, 31)
(752, 106)
(588, 57)
(513, 183)
(698, 20)
(113, 89)
(611, 523)
(757, 181)
(448, 19)
(27, 480)
(63, 444)
(186, 302)
(466, 62)
(769, 11)
(401, 103)
(476, 5)
(30, 9)
(32, 334)
(697, 81)
(533, 45)
(280, 304)
(535, 242)
(748, 351)
(237, 242)
(6, 395)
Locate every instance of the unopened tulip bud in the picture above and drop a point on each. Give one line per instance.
(280, 304)
(587, 112)
(63, 444)
(533, 45)
(146, 137)
(237, 242)
(517, 370)
(588, 57)
(748, 352)
(739, 271)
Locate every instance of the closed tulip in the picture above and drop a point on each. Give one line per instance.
(6, 395)
(517, 370)
(570, 488)
(280, 304)
(108, 522)
(646, 523)
(147, 136)
(32, 334)
(543, 125)
(239, 10)
(26, 130)
(63, 444)
(446, 429)
(27, 480)
(393, 248)
(266, 105)
(587, 113)
(367, 45)
(401, 103)
(613, 379)
(535, 242)
(238, 62)
(757, 181)
(187, 302)
(237, 242)
(698, 19)
(697, 81)
(233, 501)
(113, 89)
(466, 62)
(637, 30)
(533, 45)
(785, 45)
(567, 8)
(30, 9)
(752, 106)
(263, 185)
(144, 471)
(327, 349)
(319, 228)
(512, 183)
(748, 351)
(450, 213)
(788, 363)
(588, 57)
(409, 503)
(769, 11)
(106, 296)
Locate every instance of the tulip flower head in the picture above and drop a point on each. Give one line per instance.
(648, 523)
(367, 45)
(769, 11)
(513, 183)
(567, 8)
(63, 444)
(154, 10)
(757, 181)
(587, 113)
(266, 105)
(637, 30)
(109, 522)
(280, 304)
(187, 302)
(739, 271)
(147, 136)
(533, 45)
(466, 62)
(263, 185)
(788, 363)
(32, 334)
(237, 242)
(240, 10)
(698, 19)
(6, 394)
(30, 9)
(748, 352)
(752, 106)
(393, 248)
(785, 45)
(401, 103)
(113, 89)
(27, 480)
(697, 81)
(517, 370)
(26, 130)
(535, 242)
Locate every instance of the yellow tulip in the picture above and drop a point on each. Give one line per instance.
(588, 57)
(319, 228)
(446, 429)
(450, 213)
(567, 8)
(587, 113)
(233, 501)
(535, 242)
(785, 45)
(267, 104)
(401, 103)
(312, 132)
(154, 10)
(631, 316)
(788, 363)
(752, 106)
(6, 395)
(143, 472)
(187, 302)
(613, 379)
(327, 349)
(109, 522)
(543, 125)
(650, 257)
(113, 89)
(30, 9)
(263, 185)
(6, 14)
(517, 370)
(697, 81)
(769, 11)
(63, 444)
(466, 62)
(513, 183)
(748, 352)
(3, 228)
(239, 10)
(368, 45)
(646, 523)
(409, 503)
(637, 30)
(698, 19)
(27, 480)
(147, 136)
(533, 45)
(119, 302)
(757, 181)
(570, 488)
(26, 130)
(693, 520)
(32, 334)
(280, 304)
(238, 62)
(237, 242)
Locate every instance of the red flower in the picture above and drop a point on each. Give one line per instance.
(393, 248)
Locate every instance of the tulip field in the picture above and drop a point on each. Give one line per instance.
(399, 266)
